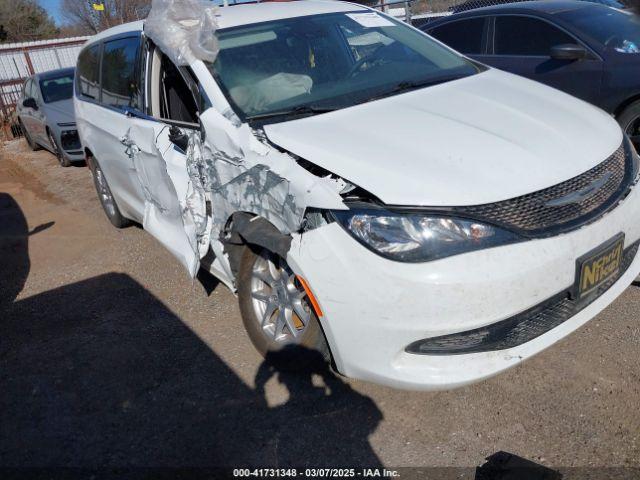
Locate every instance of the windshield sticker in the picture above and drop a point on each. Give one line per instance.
(370, 20)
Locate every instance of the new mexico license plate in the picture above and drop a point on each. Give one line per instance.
(600, 265)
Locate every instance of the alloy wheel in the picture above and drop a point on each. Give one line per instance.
(279, 300)
(54, 145)
(106, 198)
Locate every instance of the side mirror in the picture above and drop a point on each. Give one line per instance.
(179, 139)
(30, 103)
(568, 51)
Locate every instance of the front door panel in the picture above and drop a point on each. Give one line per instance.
(580, 78)
(175, 211)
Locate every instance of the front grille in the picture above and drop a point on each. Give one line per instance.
(523, 327)
(70, 140)
(532, 215)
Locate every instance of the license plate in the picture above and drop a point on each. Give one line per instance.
(598, 266)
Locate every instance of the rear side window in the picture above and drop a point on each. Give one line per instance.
(120, 78)
(527, 36)
(465, 36)
(88, 72)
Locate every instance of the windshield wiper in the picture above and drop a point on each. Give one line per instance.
(406, 86)
(300, 110)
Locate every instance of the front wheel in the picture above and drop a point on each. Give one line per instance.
(32, 145)
(64, 161)
(629, 120)
(276, 310)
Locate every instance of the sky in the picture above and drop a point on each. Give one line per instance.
(53, 8)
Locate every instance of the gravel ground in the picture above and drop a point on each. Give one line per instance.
(110, 356)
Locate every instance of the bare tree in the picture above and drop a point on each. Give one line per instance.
(25, 20)
(82, 17)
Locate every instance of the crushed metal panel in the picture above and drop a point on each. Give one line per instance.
(238, 172)
(184, 30)
(190, 196)
(259, 190)
(246, 175)
(175, 210)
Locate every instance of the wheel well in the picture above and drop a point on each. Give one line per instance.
(623, 106)
(250, 230)
(88, 156)
(244, 229)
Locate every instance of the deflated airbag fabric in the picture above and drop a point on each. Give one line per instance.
(183, 29)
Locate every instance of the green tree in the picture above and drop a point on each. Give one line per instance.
(25, 20)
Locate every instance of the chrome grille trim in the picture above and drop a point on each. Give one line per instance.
(531, 214)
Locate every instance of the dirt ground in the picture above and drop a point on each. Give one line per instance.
(110, 356)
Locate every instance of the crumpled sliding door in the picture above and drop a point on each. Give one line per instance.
(175, 210)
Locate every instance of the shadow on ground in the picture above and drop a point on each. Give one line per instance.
(101, 374)
(507, 466)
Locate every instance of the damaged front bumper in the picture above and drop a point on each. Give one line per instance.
(375, 308)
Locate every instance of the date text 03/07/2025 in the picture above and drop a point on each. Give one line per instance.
(315, 473)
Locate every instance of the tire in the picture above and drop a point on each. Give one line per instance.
(64, 161)
(32, 145)
(309, 344)
(629, 120)
(105, 196)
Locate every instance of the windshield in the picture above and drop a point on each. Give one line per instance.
(326, 62)
(617, 30)
(58, 88)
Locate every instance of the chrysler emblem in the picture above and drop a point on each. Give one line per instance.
(582, 194)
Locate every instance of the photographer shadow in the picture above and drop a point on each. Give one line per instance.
(324, 421)
(101, 374)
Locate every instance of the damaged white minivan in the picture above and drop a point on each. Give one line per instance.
(421, 219)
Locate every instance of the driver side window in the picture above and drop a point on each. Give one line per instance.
(27, 89)
(171, 96)
(35, 91)
(526, 36)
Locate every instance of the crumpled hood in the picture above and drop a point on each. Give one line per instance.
(60, 112)
(482, 139)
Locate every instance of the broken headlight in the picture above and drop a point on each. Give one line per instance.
(418, 237)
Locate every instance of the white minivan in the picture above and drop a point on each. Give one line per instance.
(422, 220)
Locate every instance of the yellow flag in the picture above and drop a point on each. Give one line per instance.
(98, 6)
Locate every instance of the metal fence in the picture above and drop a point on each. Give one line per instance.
(21, 60)
(416, 12)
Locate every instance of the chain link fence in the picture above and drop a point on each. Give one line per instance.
(421, 12)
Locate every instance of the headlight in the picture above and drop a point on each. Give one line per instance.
(414, 237)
